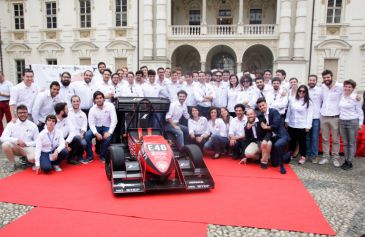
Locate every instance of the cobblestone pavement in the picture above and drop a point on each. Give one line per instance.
(339, 194)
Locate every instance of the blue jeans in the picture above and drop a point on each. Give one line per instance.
(181, 134)
(104, 143)
(216, 143)
(46, 164)
(312, 139)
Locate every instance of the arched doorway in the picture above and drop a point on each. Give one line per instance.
(187, 58)
(257, 58)
(221, 57)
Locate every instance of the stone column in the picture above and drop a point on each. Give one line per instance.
(300, 37)
(202, 66)
(240, 18)
(203, 23)
(284, 29)
(161, 28)
(238, 67)
(147, 31)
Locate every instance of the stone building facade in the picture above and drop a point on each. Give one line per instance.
(300, 36)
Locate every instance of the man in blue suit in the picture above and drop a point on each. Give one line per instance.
(273, 122)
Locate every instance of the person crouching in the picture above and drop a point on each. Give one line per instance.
(258, 139)
(50, 147)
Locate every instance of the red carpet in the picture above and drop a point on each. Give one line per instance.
(45, 222)
(244, 196)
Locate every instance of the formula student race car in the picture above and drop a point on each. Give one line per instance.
(147, 159)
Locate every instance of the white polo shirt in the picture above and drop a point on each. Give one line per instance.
(22, 94)
(26, 131)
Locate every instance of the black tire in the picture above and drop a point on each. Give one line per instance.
(195, 154)
(115, 160)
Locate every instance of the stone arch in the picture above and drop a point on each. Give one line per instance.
(84, 45)
(221, 57)
(47, 46)
(16, 47)
(187, 57)
(257, 58)
(333, 48)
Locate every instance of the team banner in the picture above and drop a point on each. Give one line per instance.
(45, 74)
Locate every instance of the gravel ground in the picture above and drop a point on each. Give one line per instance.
(339, 194)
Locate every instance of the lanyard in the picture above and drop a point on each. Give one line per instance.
(51, 140)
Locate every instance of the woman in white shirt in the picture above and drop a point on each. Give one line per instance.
(233, 91)
(299, 121)
(197, 127)
(351, 118)
(226, 117)
(217, 133)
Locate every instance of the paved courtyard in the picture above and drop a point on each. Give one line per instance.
(339, 194)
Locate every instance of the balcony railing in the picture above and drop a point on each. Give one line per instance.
(223, 30)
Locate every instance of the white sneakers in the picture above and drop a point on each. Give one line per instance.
(57, 168)
(323, 161)
(336, 163)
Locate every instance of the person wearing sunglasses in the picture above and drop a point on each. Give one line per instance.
(299, 121)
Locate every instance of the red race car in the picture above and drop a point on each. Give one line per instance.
(147, 159)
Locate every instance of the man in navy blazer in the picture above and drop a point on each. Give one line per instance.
(272, 121)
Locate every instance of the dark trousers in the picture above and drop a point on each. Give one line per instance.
(278, 150)
(203, 110)
(239, 149)
(298, 136)
(40, 126)
(77, 146)
(4, 110)
(46, 164)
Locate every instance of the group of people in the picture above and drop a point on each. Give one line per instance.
(265, 118)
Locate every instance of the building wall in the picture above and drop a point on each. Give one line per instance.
(343, 42)
(290, 44)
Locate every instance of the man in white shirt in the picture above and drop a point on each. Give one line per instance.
(267, 77)
(23, 93)
(262, 89)
(236, 132)
(130, 89)
(139, 80)
(162, 80)
(188, 87)
(72, 141)
(221, 89)
(171, 89)
(85, 90)
(248, 94)
(225, 77)
(50, 147)
(79, 121)
(281, 74)
(102, 122)
(44, 104)
(5, 87)
(176, 111)
(204, 95)
(331, 95)
(153, 89)
(278, 98)
(66, 91)
(105, 87)
(98, 77)
(18, 138)
(315, 95)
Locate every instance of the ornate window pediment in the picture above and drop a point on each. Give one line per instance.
(333, 43)
(16, 47)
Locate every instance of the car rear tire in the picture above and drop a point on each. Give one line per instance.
(195, 154)
(115, 160)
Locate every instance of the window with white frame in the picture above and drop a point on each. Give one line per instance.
(85, 13)
(194, 17)
(51, 14)
(19, 68)
(255, 16)
(18, 16)
(120, 13)
(334, 9)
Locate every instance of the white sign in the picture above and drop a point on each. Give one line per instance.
(45, 74)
